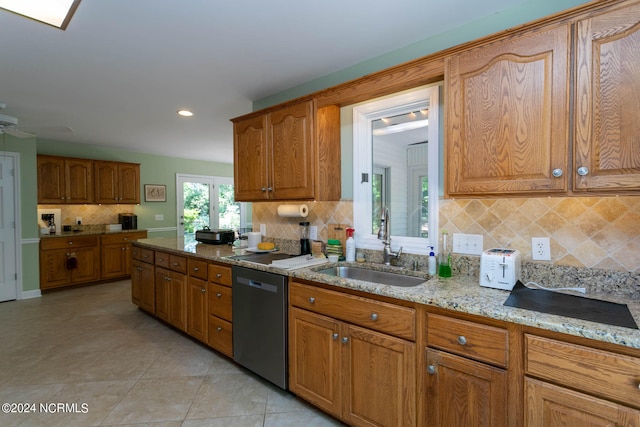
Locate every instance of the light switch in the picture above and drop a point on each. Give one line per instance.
(159, 217)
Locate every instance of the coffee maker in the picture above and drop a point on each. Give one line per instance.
(129, 221)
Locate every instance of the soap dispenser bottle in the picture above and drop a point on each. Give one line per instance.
(432, 262)
(350, 246)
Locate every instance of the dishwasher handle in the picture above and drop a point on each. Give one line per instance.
(257, 285)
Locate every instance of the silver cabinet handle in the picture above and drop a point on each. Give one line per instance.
(312, 300)
(345, 340)
(557, 173)
(196, 269)
(71, 243)
(219, 275)
(583, 170)
(219, 328)
(374, 316)
(431, 369)
(462, 340)
(175, 264)
(263, 189)
(218, 295)
(202, 290)
(270, 189)
(335, 337)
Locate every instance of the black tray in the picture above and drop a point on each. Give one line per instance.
(606, 312)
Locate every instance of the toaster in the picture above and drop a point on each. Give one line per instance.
(500, 268)
(215, 237)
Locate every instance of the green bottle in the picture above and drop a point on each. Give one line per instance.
(444, 257)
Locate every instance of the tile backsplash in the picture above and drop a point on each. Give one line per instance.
(91, 214)
(594, 232)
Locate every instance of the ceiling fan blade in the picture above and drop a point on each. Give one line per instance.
(57, 129)
(19, 133)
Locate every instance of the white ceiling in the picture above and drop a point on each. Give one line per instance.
(122, 68)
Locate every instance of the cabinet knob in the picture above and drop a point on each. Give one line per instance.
(345, 340)
(269, 188)
(583, 170)
(219, 295)
(431, 369)
(219, 275)
(139, 268)
(124, 249)
(196, 269)
(557, 172)
(312, 300)
(160, 259)
(70, 242)
(219, 328)
(374, 316)
(462, 340)
(202, 290)
(175, 264)
(263, 189)
(335, 337)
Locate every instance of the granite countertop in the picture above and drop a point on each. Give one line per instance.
(460, 293)
(87, 232)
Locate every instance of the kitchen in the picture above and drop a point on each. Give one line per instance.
(556, 214)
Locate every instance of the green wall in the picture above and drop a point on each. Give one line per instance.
(528, 11)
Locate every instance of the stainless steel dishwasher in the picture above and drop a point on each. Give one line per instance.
(260, 323)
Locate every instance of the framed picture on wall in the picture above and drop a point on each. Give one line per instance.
(155, 193)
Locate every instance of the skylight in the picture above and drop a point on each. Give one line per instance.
(57, 13)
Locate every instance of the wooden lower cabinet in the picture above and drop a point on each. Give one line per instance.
(197, 321)
(116, 256)
(359, 375)
(143, 292)
(69, 261)
(547, 405)
(463, 392)
(171, 297)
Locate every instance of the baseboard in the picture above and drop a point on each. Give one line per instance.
(30, 294)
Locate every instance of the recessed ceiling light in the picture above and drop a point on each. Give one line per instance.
(56, 13)
(185, 113)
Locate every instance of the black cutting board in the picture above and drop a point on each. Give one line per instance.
(550, 302)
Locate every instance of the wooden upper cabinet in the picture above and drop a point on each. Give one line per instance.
(508, 116)
(250, 159)
(64, 180)
(607, 101)
(117, 182)
(288, 153)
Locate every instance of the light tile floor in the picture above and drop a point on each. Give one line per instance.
(92, 348)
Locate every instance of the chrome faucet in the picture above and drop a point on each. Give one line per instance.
(384, 234)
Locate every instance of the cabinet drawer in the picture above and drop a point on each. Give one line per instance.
(220, 302)
(142, 254)
(376, 315)
(220, 274)
(123, 237)
(221, 335)
(476, 341)
(68, 242)
(178, 263)
(197, 268)
(600, 372)
(162, 259)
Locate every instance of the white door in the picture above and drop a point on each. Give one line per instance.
(8, 237)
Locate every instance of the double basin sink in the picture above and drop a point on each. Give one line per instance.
(382, 277)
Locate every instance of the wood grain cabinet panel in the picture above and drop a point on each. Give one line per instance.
(64, 180)
(607, 101)
(116, 182)
(143, 292)
(171, 297)
(362, 376)
(116, 253)
(288, 153)
(197, 314)
(69, 261)
(508, 115)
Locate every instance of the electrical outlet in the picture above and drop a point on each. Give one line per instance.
(313, 232)
(540, 249)
(159, 217)
(263, 229)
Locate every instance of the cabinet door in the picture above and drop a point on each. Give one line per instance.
(106, 182)
(142, 286)
(607, 101)
(129, 183)
(162, 282)
(197, 315)
(53, 269)
(508, 116)
(462, 392)
(292, 152)
(88, 265)
(314, 359)
(79, 181)
(250, 159)
(114, 260)
(51, 180)
(547, 405)
(379, 375)
(178, 300)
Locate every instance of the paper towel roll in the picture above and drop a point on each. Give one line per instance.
(253, 238)
(293, 211)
